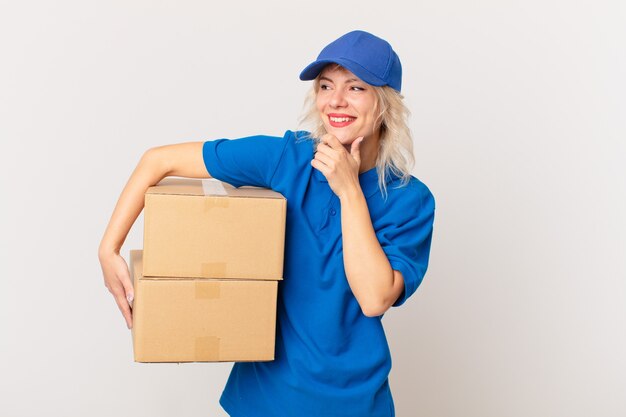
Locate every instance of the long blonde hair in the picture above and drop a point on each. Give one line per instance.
(395, 153)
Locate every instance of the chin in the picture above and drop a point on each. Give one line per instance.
(345, 137)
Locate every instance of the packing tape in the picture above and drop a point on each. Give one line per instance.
(207, 348)
(211, 186)
(207, 290)
(213, 269)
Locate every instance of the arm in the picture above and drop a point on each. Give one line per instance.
(184, 160)
(373, 282)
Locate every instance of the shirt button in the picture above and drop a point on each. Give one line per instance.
(333, 211)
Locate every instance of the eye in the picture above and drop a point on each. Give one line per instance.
(324, 87)
(357, 88)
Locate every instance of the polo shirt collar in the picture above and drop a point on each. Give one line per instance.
(367, 179)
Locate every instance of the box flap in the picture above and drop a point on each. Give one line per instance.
(208, 187)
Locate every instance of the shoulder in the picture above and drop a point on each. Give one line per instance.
(262, 143)
(405, 204)
(299, 138)
(413, 193)
(299, 143)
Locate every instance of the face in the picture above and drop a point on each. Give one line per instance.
(346, 105)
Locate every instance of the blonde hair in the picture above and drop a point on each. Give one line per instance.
(395, 152)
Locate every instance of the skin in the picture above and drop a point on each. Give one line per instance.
(340, 158)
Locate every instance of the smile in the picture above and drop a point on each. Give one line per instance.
(340, 121)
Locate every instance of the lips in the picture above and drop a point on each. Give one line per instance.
(340, 120)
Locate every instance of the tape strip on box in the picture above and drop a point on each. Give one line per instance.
(214, 188)
(207, 290)
(211, 186)
(207, 348)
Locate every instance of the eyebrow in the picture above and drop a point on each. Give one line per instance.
(349, 80)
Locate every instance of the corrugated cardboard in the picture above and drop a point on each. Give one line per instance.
(208, 229)
(201, 320)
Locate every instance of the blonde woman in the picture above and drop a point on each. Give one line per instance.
(358, 234)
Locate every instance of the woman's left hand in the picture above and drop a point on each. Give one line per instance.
(340, 168)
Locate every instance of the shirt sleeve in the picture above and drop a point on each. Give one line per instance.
(246, 161)
(406, 240)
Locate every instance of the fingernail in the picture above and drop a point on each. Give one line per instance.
(129, 297)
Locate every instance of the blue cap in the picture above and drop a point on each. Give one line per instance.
(367, 56)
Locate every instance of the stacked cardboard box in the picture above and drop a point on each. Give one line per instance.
(206, 281)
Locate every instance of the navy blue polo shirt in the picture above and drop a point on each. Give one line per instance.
(331, 359)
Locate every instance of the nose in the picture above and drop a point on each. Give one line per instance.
(338, 99)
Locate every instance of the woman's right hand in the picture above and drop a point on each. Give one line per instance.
(117, 280)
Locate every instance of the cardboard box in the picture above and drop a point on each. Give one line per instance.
(201, 320)
(209, 229)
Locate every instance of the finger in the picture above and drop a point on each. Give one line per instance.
(122, 304)
(332, 141)
(327, 150)
(325, 159)
(355, 149)
(129, 292)
(320, 167)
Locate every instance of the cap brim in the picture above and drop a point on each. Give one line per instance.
(314, 69)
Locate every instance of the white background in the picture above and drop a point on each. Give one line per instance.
(519, 117)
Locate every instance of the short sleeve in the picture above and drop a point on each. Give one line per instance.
(246, 161)
(407, 236)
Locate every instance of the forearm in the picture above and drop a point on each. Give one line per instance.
(183, 160)
(367, 268)
(149, 171)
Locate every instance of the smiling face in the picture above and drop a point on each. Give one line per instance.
(346, 105)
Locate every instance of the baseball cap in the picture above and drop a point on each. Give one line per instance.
(367, 56)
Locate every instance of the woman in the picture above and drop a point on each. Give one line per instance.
(358, 234)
